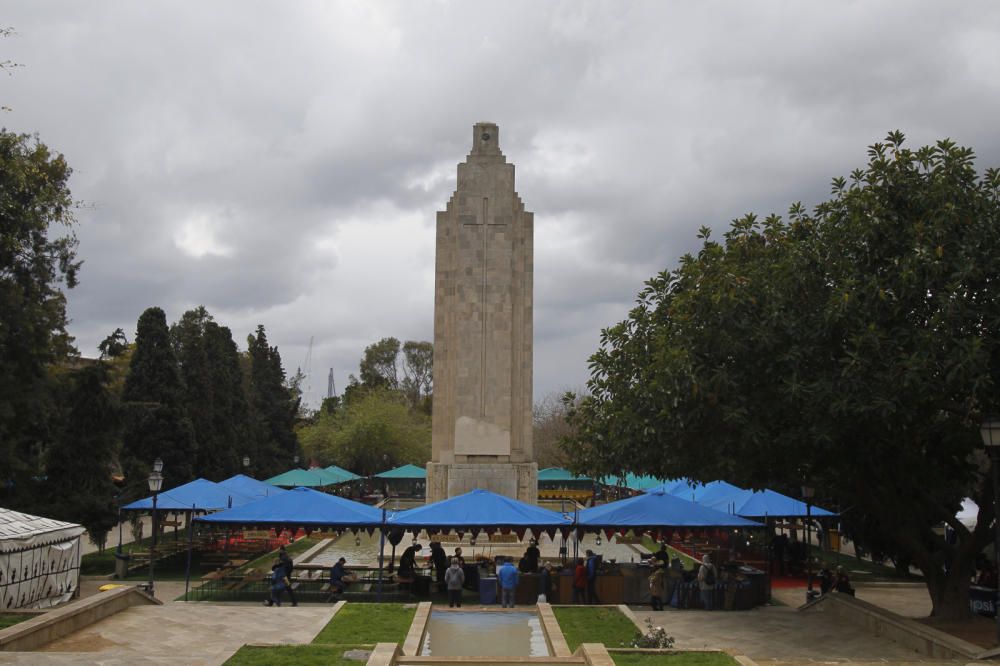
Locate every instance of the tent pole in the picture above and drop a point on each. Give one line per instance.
(381, 555)
(187, 571)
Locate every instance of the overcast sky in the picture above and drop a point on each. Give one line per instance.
(281, 162)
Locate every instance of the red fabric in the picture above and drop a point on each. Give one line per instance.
(580, 577)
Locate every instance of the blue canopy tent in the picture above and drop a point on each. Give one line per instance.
(300, 507)
(480, 510)
(765, 504)
(198, 495)
(250, 486)
(704, 493)
(657, 509)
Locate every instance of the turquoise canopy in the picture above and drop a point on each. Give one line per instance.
(559, 474)
(315, 477)
(404, 472)
(341, 473)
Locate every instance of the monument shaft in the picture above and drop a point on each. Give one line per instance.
(482, 416)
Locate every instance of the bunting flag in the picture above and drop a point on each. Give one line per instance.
(521, 532)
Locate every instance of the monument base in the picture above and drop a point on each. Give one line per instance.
(517, 480)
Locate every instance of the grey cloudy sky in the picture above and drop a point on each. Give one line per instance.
(281, 162)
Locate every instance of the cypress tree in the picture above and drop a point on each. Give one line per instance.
(156, 425)
(274, 407)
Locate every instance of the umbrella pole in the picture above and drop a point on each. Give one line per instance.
(187, 571)
(381, 555)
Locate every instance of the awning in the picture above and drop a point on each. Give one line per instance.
(341, 473)
(300, 507)
(404, 472)
(197, 495)
(250, 486)
(479, 509)
(19, 531)
(315, 477)
(559, 474)
(657, 509)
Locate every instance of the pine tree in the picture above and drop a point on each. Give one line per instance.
(156, 423)
(232, 431)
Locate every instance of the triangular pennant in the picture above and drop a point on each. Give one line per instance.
(521, 532)
(609, 532)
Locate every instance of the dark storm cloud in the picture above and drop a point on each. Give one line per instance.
(281, 163)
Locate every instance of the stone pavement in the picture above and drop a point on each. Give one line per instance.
(780, 635)
(179, 633)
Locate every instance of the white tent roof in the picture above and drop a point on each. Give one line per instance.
(22, 530)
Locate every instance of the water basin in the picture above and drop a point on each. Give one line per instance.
(484, 634)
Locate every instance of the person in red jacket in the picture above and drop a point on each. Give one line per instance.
(579, 582)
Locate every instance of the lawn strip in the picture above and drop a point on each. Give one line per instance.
(368, 623)
(306, 655)
(601, 624)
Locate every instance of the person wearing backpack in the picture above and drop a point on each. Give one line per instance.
(706, 582)
(278, 584)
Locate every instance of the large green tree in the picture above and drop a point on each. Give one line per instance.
(407, 368)
(374, 432)
(35, 265)
(79, 464)
(853, 347)
(156, 423)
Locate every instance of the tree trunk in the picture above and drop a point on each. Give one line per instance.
(950, 591)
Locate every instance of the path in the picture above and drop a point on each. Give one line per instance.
(179, 633)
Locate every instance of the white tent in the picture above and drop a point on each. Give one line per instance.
(39, 560)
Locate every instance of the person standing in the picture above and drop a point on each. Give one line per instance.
(440, 560)
(454, 578)
(579, 583)
(286, 562)
(408, 563)
(278, 584)
(593, 563)
(533, 555)
(706, 582)
(656, 586)
(545, 583)
(508, 583)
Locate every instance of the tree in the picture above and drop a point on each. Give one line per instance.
(550, 429)
(34, 267)
(381, 365)
(854, 347)
(156, 425)
(230, 414)
(373, 433)
(274, 408)
(78, 484)
(114, 345)
(378, 365)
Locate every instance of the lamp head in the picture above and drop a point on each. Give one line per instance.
(155, 481)
(990, 432)
(158, 465)
(246, 461)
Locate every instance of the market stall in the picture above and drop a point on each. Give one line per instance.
(39, 560)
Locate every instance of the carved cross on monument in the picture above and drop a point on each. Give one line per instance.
(485, 224)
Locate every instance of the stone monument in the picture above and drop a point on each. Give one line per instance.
(482, 416)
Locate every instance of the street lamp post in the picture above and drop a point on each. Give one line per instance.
(990, 431)
(155, 483)
(807, 495)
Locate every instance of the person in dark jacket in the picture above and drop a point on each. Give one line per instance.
(408, 562)
(545, 582)
(593, 562)
(337, 576)
(278, 583)
(439, 559)
(288, 565)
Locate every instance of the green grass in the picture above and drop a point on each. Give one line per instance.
(873, 572)
(675, 659)
(594, 625)
(9, 620)
(307, 655)
(368, 623)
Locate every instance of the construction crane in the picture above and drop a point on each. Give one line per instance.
(307, 389)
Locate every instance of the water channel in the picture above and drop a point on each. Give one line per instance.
(484, 633)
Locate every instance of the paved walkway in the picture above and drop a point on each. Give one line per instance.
(179, 633)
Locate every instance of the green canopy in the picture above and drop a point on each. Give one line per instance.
(404, 472)
(342, 474)
(316, 477)
(559, 474)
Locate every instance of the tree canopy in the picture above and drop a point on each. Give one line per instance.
(853, 347)
(35, 265)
